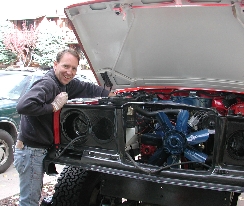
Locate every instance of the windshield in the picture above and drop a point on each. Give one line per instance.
(12, 86)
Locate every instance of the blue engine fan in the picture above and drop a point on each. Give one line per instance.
(174, 140)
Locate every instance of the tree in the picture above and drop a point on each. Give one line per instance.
(6, 56)
(50, 41)
(21, 42)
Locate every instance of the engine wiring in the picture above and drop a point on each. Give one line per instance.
(68, 145)
(161, 168)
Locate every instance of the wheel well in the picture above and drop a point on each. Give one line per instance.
(10, 128)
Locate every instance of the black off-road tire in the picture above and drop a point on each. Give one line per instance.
(6, 147)
(78, 187)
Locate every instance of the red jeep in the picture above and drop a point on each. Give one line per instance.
(174, 133)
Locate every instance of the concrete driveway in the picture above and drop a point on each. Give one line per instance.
(9, 181)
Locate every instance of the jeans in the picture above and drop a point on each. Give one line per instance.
(28, 162)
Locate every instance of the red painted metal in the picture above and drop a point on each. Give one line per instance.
(56, 127)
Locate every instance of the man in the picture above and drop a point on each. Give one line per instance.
(36, 107)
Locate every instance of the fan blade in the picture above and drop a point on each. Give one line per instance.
(182, 121)
(159, 157)
(164, 122)
(195, 155)
(197, 137)
(151, 139)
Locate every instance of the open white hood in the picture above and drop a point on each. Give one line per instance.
(163, 43)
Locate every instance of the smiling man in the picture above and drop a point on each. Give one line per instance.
(65, 67)
(36, 107)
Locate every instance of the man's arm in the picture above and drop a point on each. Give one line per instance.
(37, 101)
(80, 89)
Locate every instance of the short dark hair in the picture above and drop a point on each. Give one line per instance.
(70, 51)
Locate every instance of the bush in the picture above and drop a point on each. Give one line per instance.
(6, 56)
(50, 40)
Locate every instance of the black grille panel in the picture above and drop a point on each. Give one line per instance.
(75, 124)
(234, 143)
(88, 125)
(103, 129)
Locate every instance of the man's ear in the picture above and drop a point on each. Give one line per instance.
(54, 65)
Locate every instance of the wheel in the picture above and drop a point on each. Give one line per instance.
(78, 187)
(6, 150)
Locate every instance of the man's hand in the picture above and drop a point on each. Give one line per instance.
(111, 94)
(59, 101)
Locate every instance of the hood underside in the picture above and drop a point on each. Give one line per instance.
(196, 44)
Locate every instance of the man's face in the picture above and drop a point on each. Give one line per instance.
(66, 69)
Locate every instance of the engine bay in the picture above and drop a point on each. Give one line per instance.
(165, 128)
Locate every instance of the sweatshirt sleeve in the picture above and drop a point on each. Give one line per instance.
(37, 101)
(79, 89)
